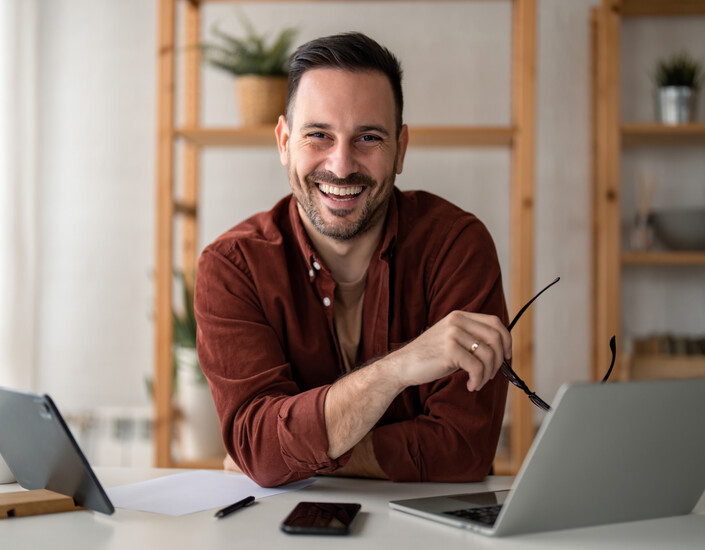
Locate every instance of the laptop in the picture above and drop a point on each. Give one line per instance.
(607, 453)
(39, 449)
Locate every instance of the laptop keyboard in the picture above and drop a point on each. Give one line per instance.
(486, 515)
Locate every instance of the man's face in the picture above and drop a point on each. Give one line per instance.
(341, 150)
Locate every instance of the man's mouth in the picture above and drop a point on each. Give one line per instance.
(340, 193)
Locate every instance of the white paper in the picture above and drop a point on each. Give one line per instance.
(180, 494)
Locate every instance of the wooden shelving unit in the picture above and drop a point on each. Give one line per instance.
(611, 136)
(518, 137)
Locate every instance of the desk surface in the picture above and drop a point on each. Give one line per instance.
(377, 527)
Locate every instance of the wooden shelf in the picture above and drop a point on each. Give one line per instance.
(420, 136)
(652, 133)
(665, 367)
(664, 258)
(659, 7)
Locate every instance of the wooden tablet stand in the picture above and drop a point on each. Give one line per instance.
(32, 503)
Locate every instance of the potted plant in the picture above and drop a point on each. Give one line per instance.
(260, 69)
(198, 424)
(678, 80)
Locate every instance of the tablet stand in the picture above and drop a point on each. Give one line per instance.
(33, 503)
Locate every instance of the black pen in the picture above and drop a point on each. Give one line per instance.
(234, 507)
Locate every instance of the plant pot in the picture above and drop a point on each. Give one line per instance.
(261, 98)
(676, 105)
(199, 434)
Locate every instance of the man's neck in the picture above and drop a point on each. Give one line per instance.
(347, 260)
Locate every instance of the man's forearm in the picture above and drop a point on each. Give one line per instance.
(356, 402)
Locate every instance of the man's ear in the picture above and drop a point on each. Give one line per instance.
(402, 144)
(282, 133)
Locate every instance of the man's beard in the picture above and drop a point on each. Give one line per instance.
(344, 231)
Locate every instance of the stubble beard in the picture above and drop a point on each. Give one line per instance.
(367, 219)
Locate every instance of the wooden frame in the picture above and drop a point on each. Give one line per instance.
(610, 135)
(519, 137)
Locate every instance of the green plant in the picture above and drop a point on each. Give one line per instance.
(681, 69)
(251, 54)
(184, 332)
(184, 321)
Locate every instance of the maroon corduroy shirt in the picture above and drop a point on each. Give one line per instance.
(266, 341)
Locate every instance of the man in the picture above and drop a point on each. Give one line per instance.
(353, 329)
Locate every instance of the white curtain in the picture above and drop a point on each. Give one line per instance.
(18, 198)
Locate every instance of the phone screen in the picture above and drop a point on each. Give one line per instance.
(320, 518)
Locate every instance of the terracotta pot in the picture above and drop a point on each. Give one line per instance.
(261, 98)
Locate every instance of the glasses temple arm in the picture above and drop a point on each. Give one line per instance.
(613, 349)
(522, 310)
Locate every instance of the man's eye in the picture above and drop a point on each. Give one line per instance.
(317, 135)
(369, 140)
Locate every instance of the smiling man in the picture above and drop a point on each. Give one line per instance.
(354, 329)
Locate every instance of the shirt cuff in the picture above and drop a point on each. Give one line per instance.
(302, 434)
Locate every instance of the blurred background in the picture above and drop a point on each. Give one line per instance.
(78, 99)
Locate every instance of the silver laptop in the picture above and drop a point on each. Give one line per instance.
(607, 453)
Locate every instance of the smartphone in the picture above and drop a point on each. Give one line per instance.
(320, 518)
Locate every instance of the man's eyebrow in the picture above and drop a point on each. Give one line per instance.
(308, 126)
(378, 129)
(315, 126)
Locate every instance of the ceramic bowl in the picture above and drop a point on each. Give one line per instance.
(680, 228)
(5, 473)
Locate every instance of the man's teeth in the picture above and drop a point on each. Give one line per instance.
(340, 191)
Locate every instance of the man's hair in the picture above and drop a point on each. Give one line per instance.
(351, 51)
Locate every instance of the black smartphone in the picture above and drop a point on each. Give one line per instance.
(320, 518)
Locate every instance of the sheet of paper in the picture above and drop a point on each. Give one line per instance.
(185, 493)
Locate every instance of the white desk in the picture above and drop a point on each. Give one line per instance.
(378, 527)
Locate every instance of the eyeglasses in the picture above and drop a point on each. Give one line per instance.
(513, 377)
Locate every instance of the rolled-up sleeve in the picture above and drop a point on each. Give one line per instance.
(274, 431)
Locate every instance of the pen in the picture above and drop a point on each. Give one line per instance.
(234, 507)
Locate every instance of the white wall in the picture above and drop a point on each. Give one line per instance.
(97, 102)
(96, 200)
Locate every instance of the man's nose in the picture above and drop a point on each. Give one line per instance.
(342, 160)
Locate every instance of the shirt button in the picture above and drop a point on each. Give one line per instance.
(317, 266)
(326, 301)
(310, 272)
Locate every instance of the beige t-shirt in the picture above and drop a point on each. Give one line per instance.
(347, 317)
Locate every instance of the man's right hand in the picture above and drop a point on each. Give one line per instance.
(473, 342)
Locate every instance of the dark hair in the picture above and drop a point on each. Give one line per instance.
(351, 51)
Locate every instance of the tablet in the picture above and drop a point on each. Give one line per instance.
(39, 449)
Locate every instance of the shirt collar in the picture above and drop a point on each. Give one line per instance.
(310, 255)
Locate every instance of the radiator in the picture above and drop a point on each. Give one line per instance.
(114, 436)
